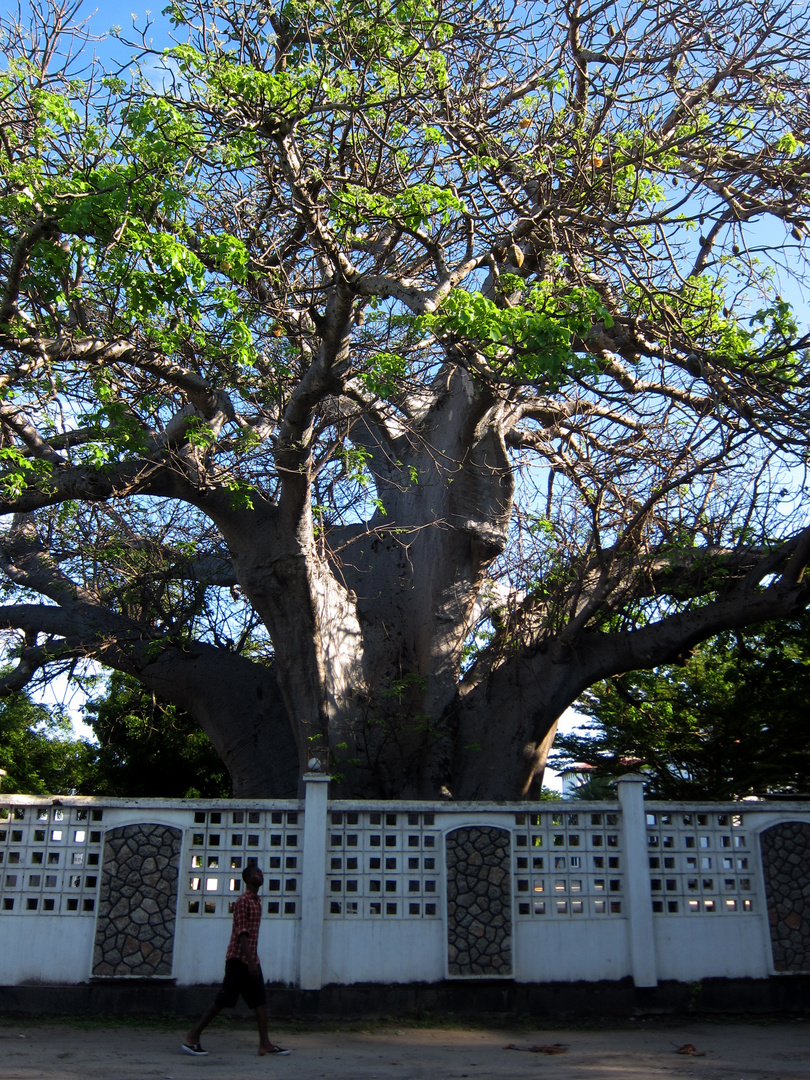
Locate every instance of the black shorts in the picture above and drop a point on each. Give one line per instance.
(239, 980)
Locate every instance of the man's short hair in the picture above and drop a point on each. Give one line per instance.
(250, 871)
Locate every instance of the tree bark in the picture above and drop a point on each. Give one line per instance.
(238, 705)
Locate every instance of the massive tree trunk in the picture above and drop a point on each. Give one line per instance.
(369, 623)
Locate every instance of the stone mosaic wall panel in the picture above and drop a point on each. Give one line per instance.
(786, 868)
(479, 902)
(138, 901)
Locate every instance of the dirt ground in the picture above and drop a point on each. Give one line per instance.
(636, 1051)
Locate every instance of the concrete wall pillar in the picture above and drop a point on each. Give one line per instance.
(637, 880)
(313, 883)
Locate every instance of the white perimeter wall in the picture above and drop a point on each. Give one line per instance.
(681, 898)
(690, 949)
(570, 952)
(51, 950)
(406, 952)
(199, 951)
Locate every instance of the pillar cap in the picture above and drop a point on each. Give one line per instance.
(316, 778)
(633, 778)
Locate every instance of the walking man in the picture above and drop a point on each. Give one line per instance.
(243, 972)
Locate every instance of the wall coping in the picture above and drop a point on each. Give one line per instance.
(430, 806)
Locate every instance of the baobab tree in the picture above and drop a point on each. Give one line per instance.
(379, 376)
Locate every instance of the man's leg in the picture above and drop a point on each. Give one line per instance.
(193, 1036)
(225, 999)
(265, 1046)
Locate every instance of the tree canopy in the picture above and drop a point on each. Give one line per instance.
(379, 376)
(37, 750)
(731, 723)
(143, 748)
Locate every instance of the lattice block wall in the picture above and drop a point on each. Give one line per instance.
(221, 843)
(700, 863)
(383, 865)
(568, 864)
(50, 860)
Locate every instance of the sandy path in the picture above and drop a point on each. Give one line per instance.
(779, 1051)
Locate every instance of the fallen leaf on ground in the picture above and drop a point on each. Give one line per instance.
(552, 1048)
(688, 1048)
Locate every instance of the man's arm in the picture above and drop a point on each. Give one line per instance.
(245, 954)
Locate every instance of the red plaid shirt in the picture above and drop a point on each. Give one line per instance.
(247, 914)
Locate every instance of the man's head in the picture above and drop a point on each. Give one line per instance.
(253, 877)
